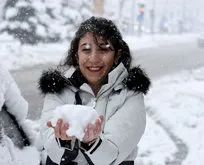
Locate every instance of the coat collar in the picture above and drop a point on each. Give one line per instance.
(54, 81)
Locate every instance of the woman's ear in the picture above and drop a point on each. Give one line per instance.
(118, 55)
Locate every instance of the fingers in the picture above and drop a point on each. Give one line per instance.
(49, 124)
(64, 128)
(98, 126)
(88, 133)
(93, 131)
(57, 128)
(60, 129)
(85, 138)
(101, 118)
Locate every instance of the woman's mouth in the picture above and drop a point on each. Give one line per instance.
(94, 69)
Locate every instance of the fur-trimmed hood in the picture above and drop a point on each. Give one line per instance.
(54, 81)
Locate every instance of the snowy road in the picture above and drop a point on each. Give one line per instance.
(27, 79)
(181, 148)
(165, 60)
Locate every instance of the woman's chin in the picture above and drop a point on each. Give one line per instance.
(95, 81)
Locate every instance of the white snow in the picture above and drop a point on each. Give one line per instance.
(78, 117)
(22, 4)
(155, 146)
(10, 155)
(11, 12)
(177, 102)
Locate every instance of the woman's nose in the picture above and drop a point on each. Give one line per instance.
(95, 56)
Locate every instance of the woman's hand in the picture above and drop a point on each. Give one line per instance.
(93, 131)
(60, 129)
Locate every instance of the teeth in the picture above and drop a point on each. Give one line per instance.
(94, 68)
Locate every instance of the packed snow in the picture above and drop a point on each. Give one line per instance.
(78, 117)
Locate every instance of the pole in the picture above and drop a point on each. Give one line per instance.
(98, 7)
(184, 17)
(119, 19)
(133, 18)
(152, 16)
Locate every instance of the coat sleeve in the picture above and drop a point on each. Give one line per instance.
(50, 143)
(122, 132)
(14, 101)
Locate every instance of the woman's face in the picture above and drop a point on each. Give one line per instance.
(96, 58)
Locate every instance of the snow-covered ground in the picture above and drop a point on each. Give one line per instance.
(175, 103)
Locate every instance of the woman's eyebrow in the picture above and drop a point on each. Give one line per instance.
(85, 44)
(104, 43)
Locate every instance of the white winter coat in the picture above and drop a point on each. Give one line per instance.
(123, 109)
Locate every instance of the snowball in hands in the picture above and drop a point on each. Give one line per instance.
(77, 116)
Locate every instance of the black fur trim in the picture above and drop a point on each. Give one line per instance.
(137, 80)
(52, 81)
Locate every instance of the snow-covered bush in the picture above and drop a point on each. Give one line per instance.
(37, 21)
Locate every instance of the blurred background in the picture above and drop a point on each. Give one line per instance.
(37, 21)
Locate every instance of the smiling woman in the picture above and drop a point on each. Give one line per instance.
(96, 73)
(96, 58)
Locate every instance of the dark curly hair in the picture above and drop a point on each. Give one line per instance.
(108, 31)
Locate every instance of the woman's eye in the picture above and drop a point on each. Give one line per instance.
(105, 47)
(85, 50)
